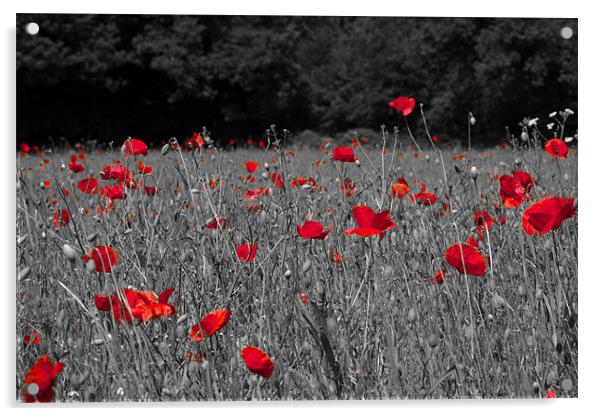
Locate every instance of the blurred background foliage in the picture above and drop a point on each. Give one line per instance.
(106, 77)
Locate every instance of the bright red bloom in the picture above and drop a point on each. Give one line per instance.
(144, 305)
(39, 380)
(251, 166)
(119, 173)
(114, 192)
(216, 223)
(24, 148)
(251, 195)
(426, 198)
(551, 394)
(312, 230)
(482, 220)
(343, 154)
(150, 190)
(143, 168)
(548, 214)
(61, 219)
(348, 188)
(257, 361)
(557, 148)
(514, 189)
(370, 223)
(439, 277)
(303, 297)
(473, 241)
(35, 338)
(88, 186)
(134, 147)
(247, 252)
(336, 256)
(465, 258)
(400, 189)
(105, 257)
(404, 105)
(74, 165)
(277, 180)
(196, 141)
(210, 324)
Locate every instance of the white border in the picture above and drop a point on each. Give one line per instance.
(590, 290)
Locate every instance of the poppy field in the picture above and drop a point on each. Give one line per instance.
(404, 268)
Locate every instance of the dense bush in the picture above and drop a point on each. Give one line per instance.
(106, 76)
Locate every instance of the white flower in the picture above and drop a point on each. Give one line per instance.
(553, 114)
(568, 139)
(533, 121)
(550, 126)
(569, 111)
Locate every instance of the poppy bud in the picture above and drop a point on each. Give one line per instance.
(412, 315)
(97, 341)
(306, 266)
(357, 162)
(473, 120)
(180, 331)
(43, 235)
(524, 136)
(538, 294)
(69, 252)
(497, 301)
(288, 273)
(264, 175)
(518, 162)
(92, 237)
(474, 173)
(21, 239)
(331, 325)
(506, 334)
(433, 341)
(490, 317)
(427, 158)
(266, 165)
(23, 273)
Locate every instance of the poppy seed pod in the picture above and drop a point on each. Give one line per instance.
(69, 252)
(474, 173)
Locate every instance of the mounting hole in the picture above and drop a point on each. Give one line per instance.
(566, 32)
(32, 28)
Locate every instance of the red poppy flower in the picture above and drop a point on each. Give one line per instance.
(247, 252)
(88, 186)
(74, 165)
(482, 220)
(551, 394)
(426, 198)
(547, 215)
(24, 148)
(61, 219)
(143, 168)
(35, 338)
(514, 189)
(113, 192)
(210, 324)
(439, 277)
(251, 166)
(134, 147)
(465, 258)
(473, 241)
(348, 188)
(39, 380)
(303, 297)
(277, 180)
(343, 154)
(312, 230)
(251, 195)
(370, 223)
(105, 257)
(196, 141)
(144, 305)
(336, 256)
(257, 361)
(557, 148)
(150, 190)
(216, 223)
(400, 189)
(458, 157)
(404, 105)
(119, 173)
